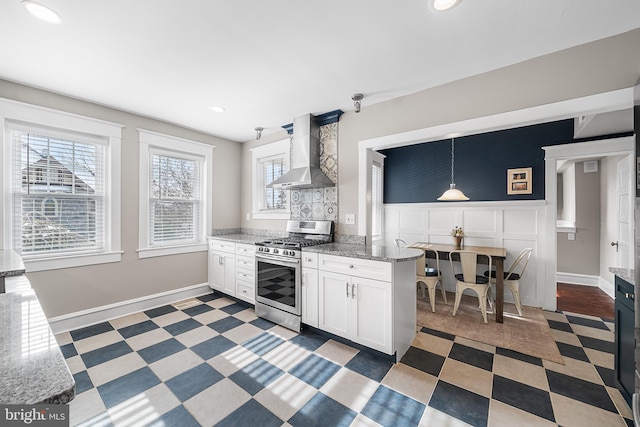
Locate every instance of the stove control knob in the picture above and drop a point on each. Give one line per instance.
(275, 251)
(288, 253)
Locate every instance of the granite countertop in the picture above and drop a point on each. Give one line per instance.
(372, 252)
(624, 273)
(10, 263)
(249, 239)
(32, 367)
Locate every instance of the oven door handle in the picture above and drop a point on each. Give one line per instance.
(277, 259)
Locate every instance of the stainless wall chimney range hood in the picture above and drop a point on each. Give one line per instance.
(305, 157)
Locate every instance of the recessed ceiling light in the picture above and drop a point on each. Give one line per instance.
(43, 12)
(218, 109)
(441, 5)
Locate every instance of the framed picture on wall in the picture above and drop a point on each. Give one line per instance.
(519, 181)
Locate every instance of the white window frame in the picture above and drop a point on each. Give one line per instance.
(152, 141)
(275, 149)
(111, 133)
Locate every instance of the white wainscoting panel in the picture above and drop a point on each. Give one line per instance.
(513, 225)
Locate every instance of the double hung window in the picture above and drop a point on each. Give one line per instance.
(175, 212)
(61, 182)
(270, 162)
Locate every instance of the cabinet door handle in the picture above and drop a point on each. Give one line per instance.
(353, 291)
(630, 296)
(347, 288)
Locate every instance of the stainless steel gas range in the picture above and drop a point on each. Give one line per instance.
(278, 271)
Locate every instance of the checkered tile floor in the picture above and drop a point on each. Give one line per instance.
(211, 361)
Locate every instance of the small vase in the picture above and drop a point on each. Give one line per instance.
(458, 241)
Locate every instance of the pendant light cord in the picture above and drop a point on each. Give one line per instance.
(452, 158)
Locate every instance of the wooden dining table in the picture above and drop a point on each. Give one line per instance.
(498, 255)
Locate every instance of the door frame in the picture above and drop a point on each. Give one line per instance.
(624, 146)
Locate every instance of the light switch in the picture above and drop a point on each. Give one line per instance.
(350, 219)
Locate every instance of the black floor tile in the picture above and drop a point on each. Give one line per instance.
(598, 324)
(425, 361)
(519, 356)
(90, 331)
(161, 350)
(438, 333)
(256, 376)
(127, 386)
(191, 382)
(250, 414)
(560, 326)
(263, 343)
(68, 350)
(213, 347)
(182, 326)
(314, 370)
(198, 309)
(165, 309)
(523, 396)
(472, 356)
(390, 408)
(460, 403)
(137, 329)
(322, 411)
(596, 344)
(370, 366)
(262, 323)
(83, 382)
(572, 351)
(309, 340)
(210, 297)
(226, 324)
(606, 374)
(584, 391)
(104, 354)
(234, 308)
(177, 417)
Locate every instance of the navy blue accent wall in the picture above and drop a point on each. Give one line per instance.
(421, 173)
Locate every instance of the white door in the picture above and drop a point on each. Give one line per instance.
(371, 313)
(625, 213)
(334, 297)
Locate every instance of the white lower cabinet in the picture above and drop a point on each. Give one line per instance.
(310, 296)
(356, 308)
(222, 271)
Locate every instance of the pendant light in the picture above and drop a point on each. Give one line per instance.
(452, 194)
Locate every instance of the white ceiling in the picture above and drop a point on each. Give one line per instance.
(267, 62)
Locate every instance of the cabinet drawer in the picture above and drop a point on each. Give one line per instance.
(245, 275)
(245, 291)
(309, 259)
(370, 269)
(245, 250)
(222, 245)
(247, 263)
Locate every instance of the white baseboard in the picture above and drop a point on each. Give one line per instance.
(586, 280)
(92, 316)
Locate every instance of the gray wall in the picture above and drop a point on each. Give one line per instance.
(74, 289)
(582, 255)
(593, 68)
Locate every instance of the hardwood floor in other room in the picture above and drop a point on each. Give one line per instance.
(588, 300)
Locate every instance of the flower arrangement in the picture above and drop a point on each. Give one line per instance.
(457, 232)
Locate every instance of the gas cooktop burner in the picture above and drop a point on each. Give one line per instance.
(291, 243)
(302, 234)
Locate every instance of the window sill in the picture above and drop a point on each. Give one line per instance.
(171, 250)
(271, 215)
(55, 263)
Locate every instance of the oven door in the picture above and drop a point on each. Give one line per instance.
(278, 283)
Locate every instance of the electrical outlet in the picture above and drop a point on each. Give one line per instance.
(350, 219)
(248, 216)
